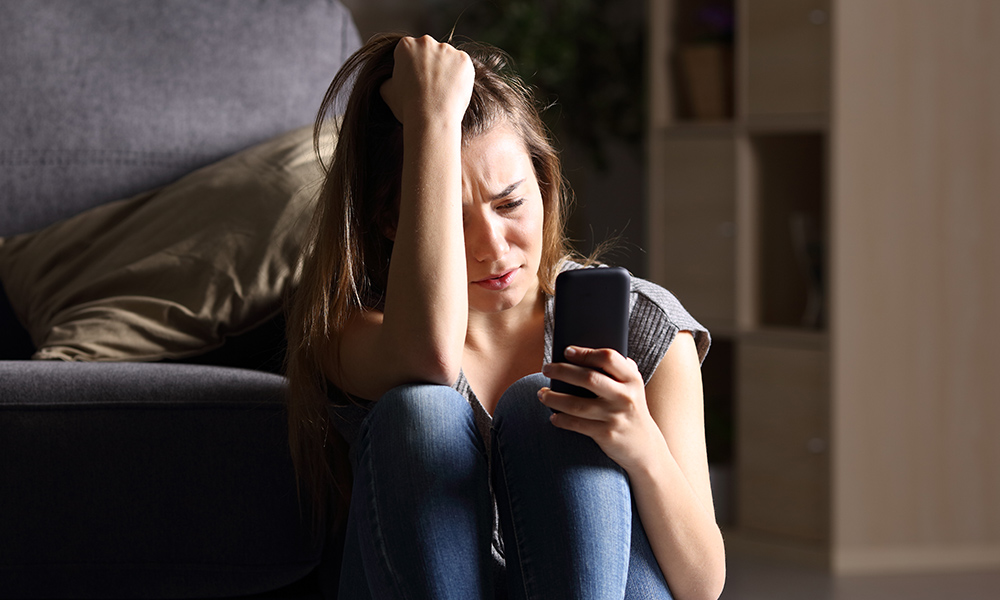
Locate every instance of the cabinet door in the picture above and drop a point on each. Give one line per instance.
(782, 426)
(691, 226)
(787, 57)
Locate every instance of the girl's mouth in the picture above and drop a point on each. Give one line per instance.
(499, 282)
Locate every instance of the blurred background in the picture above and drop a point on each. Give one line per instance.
(818, 181)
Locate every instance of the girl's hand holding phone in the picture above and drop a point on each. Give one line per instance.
(618, 418)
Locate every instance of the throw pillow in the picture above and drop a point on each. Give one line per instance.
(171, 272)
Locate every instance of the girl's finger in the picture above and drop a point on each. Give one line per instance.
(605, 359)
(587, 427)
(597, 382)
(595, 409)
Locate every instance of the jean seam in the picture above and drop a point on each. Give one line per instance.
(512, 513)
(377, 537)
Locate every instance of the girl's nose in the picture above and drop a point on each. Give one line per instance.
(485, 239)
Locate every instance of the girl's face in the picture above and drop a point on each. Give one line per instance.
(503, 216)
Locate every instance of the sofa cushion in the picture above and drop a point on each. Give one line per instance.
(171, 272)
(103, 99)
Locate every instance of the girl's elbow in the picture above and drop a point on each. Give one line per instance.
(717, 573)
(435, 366)
(442, 370)
(706, 582)
(719, 583)
(707, 590)
(714, 582)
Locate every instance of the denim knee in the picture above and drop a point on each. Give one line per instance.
(521, 413)
(519, 407)
(421, 418)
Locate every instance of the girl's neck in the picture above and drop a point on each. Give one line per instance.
(504, 328)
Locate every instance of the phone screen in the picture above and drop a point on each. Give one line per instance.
(591, 311)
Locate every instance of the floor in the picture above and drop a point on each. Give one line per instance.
(751, 578)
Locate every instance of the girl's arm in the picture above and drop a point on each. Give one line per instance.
(421, 333)
(657, 434)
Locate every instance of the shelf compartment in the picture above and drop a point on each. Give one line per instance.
(789, 172)
(692, 71)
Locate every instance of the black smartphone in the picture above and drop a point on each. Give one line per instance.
(591, 311)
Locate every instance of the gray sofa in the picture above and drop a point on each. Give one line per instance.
(166, 479)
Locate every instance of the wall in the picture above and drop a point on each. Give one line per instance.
(916, 203)
(381, 16)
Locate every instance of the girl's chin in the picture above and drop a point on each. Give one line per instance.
(494, 302)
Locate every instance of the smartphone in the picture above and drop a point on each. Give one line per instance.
(591, 311)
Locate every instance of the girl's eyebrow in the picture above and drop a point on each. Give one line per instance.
(507, 192)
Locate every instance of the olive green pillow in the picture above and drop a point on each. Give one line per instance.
(171, 272)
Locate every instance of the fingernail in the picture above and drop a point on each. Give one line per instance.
(570, 351)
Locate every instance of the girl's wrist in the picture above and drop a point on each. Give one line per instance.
(651, 459)
(431, 118)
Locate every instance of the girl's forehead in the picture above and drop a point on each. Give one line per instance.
(498, 143)
(495, 162)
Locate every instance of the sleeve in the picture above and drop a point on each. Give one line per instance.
(655, 317)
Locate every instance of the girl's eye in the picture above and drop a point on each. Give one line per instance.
(511, 205)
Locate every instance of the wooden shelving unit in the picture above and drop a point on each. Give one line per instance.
(830, 225)
(737, 227)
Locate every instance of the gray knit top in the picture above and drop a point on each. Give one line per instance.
(655, 318)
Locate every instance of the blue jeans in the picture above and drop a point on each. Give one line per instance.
(421, 517)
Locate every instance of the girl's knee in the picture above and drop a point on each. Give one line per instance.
(419, 415)
(519, 406)
(417, 403)
(522, 430)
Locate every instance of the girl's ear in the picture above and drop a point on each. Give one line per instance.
(387, 223)
(389, 231)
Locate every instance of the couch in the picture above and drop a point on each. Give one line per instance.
(143, 454)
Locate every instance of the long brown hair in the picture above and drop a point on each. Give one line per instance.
(347, 256)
